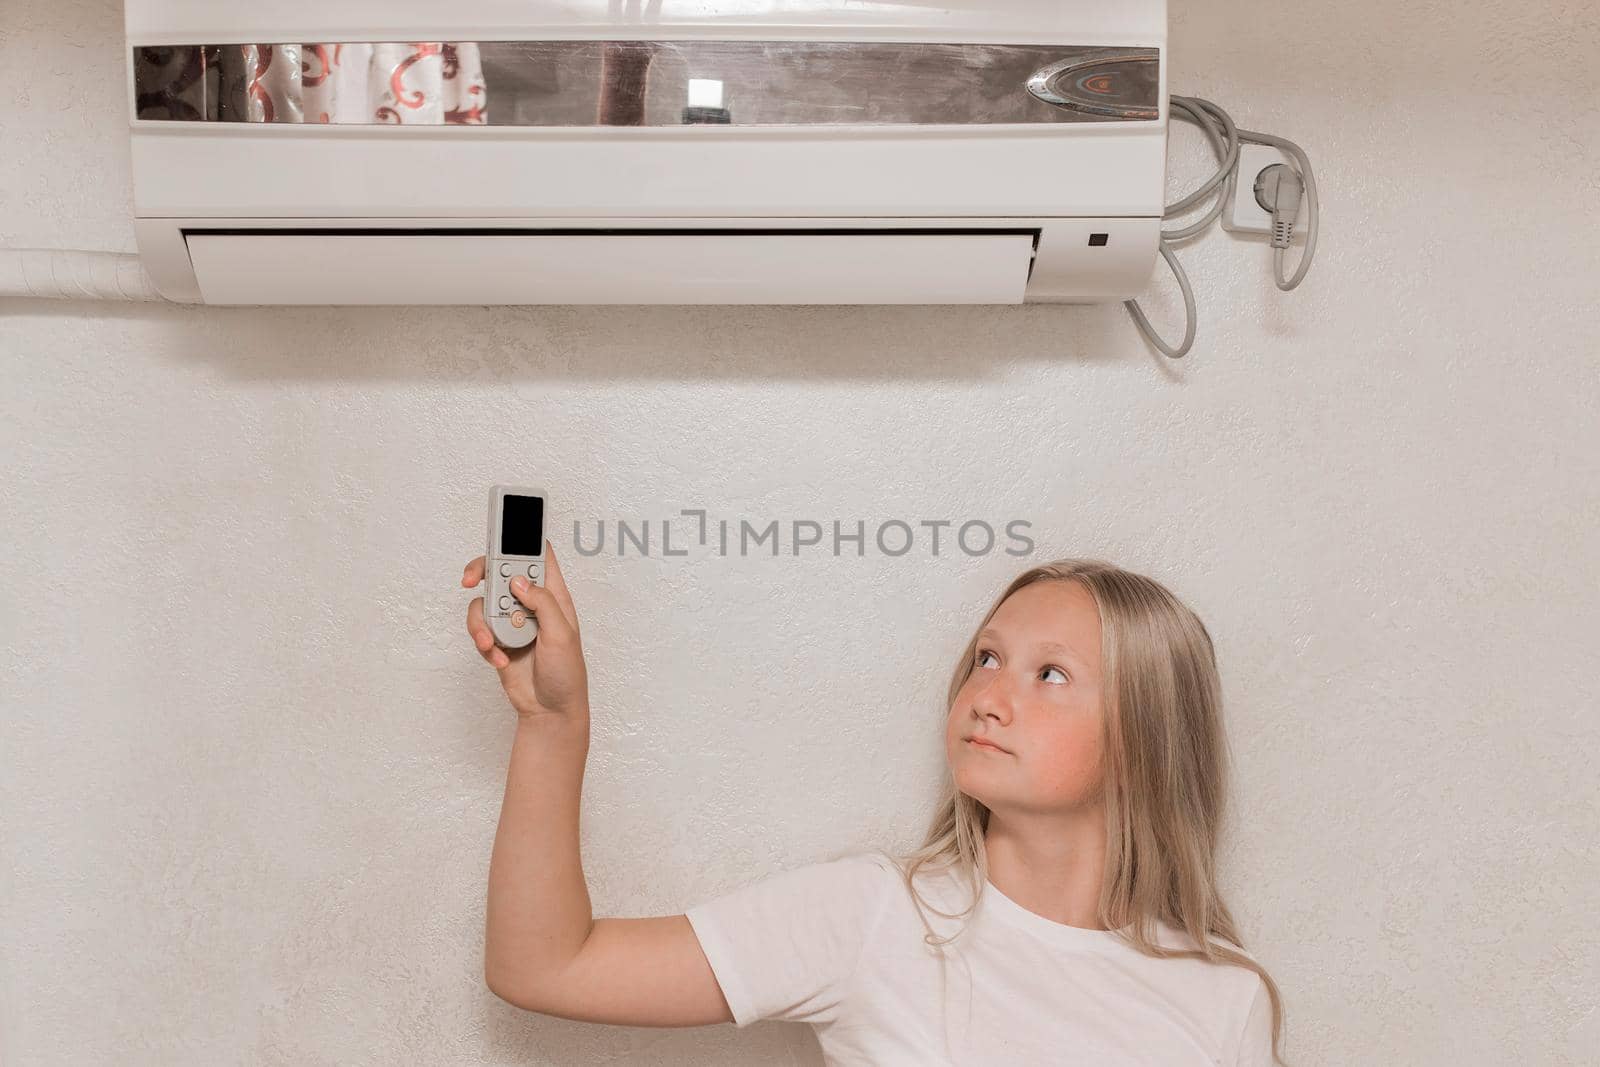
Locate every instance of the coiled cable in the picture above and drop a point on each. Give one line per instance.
(1225, 139)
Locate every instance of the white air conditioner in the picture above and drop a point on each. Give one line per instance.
(600, 151)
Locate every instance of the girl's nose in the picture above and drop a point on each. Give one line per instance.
(994, 699)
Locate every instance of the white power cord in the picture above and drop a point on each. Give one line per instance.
(70, 275)
(1281, 191)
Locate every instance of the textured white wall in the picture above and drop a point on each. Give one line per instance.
(251, 765)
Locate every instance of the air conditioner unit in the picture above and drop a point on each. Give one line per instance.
(647, 151)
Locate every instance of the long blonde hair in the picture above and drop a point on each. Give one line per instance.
(1166, 773)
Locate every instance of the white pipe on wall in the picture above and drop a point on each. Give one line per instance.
(69, 275)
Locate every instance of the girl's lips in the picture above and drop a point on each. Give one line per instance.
(978, 742)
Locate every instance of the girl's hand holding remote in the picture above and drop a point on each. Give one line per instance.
(547, 681)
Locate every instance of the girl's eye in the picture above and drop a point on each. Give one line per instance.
(982, 652)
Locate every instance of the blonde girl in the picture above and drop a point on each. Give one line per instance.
(1063, 908)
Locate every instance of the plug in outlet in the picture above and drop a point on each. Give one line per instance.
(1241, 213)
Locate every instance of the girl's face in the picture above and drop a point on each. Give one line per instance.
(1035, 692)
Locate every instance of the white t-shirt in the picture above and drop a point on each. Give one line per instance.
(838, 945)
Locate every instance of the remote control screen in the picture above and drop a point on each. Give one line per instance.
(521, 526)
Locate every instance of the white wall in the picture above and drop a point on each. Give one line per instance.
(251, 766)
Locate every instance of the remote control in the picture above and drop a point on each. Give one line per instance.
(516, 546)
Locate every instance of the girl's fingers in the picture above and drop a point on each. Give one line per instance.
(554, 582)
(482, 639)
(551, 604)
(552, 617)
(558, 585)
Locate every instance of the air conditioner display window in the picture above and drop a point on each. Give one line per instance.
(646, 83)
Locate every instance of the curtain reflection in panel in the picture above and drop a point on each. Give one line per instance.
(415, 83)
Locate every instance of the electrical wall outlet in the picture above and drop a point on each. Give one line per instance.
(1240, 211)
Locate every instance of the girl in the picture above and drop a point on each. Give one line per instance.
(1074, 848)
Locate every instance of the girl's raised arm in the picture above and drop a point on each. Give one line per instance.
(543, 949)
